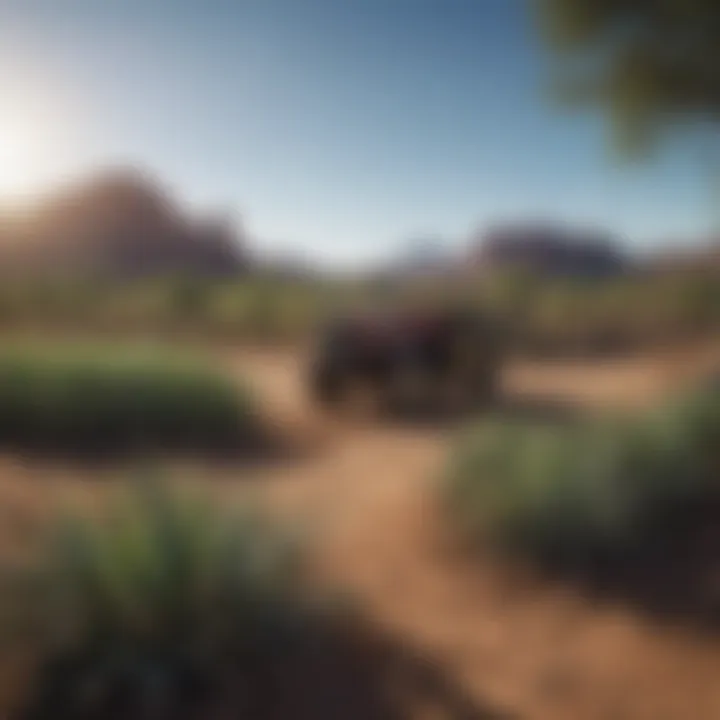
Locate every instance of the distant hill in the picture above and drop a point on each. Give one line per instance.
(421, 256)
(547, 250)
(121, 223)
(686, 259)
(544, 249)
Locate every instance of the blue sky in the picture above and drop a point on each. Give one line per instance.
(337, 128)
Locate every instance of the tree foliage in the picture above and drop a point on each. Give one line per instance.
(652, 65)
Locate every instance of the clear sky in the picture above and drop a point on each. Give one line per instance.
(340, 128)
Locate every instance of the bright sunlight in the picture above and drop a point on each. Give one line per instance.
(38, 129)
(24, 148)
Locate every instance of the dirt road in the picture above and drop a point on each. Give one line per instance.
(530, 650)
(517, 648)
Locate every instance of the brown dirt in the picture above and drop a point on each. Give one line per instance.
(533, 650)
(524, 648)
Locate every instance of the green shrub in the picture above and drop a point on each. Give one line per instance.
(544, 314)
(86, 398)
(162, 607)
(601, 490)
(190, 297)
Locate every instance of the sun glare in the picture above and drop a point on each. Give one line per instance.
(23, 149)
(35, 130)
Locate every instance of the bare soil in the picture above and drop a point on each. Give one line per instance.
(512, 645)
(515, 644)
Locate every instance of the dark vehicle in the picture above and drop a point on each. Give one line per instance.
(407, 360)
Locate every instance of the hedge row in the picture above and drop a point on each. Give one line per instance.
(103, 398)
(543, 315)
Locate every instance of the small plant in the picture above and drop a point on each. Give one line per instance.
(161, 607)
(190, 297)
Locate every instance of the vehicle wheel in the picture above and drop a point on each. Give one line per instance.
(457, 397)
(325, 386)
(485, 390)
(362, 398)
(412, 388)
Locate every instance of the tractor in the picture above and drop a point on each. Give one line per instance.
(406, 360)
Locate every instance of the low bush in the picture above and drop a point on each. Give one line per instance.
(601, 492)
(161, 607)
(103, 398)
(545, 315)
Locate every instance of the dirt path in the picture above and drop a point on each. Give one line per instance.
(530, 650)
(368, 494)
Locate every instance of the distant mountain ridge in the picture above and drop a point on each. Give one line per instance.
(122, 222)
(119, 222)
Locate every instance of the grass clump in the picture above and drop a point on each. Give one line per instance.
(160, 607)
(78, 399)
(604, 492)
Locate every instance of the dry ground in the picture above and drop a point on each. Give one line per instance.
(536, 651)
(366, 492)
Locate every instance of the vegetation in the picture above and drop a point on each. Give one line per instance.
(602, 492)
(542, 315)
(87, 398)
(162, 606)
(625, 314)
(651, 66)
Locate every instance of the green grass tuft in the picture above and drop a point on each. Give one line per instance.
(163, 606)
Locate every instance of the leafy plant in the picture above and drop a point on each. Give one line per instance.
(161, 607)
(596, 491)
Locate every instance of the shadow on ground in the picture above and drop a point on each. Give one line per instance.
(372, 679)
(249, 448)
(673, 576)
(353, 675)
(545, 409)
